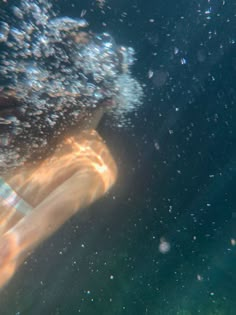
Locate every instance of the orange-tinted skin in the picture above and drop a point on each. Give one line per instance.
(80, 171)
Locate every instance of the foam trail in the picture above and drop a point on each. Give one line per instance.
(55, 69)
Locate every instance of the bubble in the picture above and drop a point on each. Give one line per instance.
(17, 34)
(129, 94)
(4, 121)
(4, 31)
(67, 24)
(17, 12)
(164, 246)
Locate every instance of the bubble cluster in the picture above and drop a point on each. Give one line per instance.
(55, 69)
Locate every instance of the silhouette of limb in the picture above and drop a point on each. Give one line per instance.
(61, 186)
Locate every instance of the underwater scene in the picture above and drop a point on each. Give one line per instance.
(117, 157)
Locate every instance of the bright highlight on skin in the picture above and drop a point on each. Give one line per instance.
(57, 188)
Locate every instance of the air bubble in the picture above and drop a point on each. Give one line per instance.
(54, 76)
(17, 34)
(67, 24)
(4, 31)
(17, 12)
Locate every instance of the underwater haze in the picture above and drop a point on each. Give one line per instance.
(163, 241)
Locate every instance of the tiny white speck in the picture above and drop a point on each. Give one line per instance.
(83, 12)
(199, 277)
(156, 145)
(233, 242)
(164, 246)
(150, 74)
(176, 50)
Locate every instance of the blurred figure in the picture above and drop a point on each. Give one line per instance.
(56, 82)
(35, 200)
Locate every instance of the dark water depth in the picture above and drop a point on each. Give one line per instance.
(163, 241)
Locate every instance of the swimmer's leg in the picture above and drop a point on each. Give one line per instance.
(8, 218)
(95, 175)
(12, 207)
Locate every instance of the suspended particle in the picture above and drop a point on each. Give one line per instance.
(164, 246)
(83, 13)
(156, 145)
(150, 74)
(101, 3)
(199, 277)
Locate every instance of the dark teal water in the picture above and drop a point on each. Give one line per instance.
(177, 168)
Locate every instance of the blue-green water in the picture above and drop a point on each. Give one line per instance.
(177, 167)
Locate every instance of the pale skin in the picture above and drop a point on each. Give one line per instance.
(80, 171)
